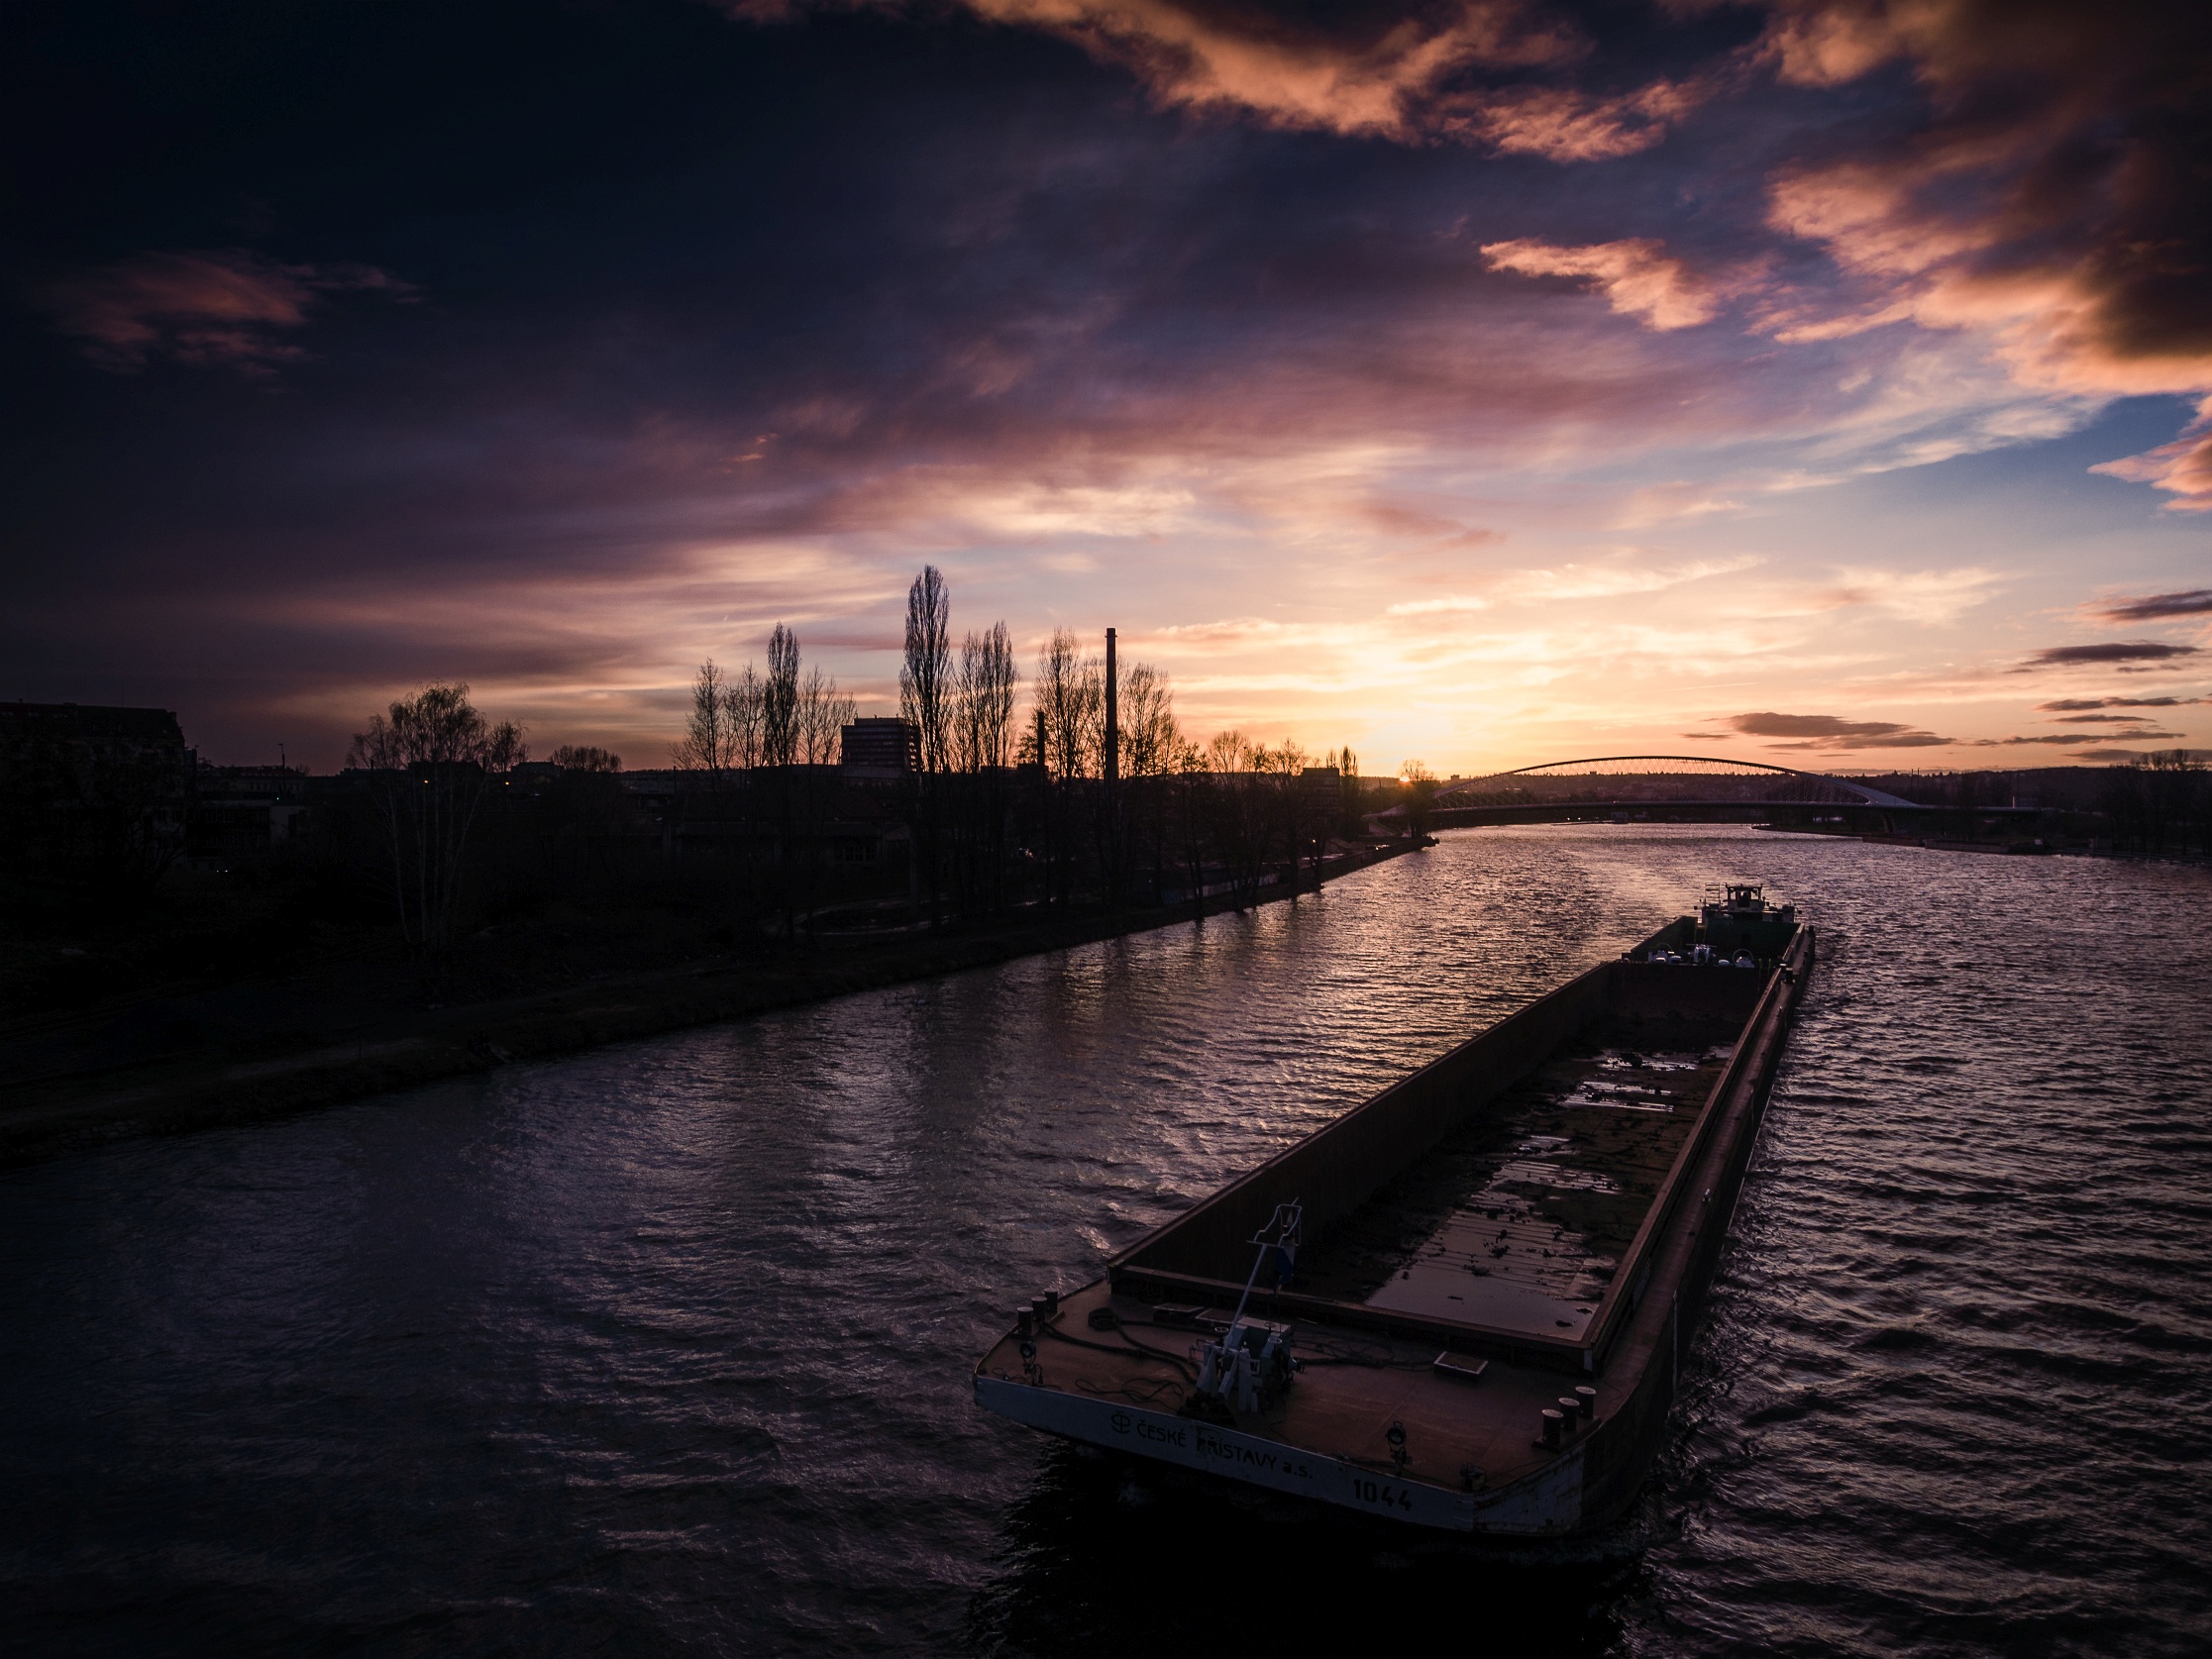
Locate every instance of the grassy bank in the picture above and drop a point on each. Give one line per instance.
(55, 1114)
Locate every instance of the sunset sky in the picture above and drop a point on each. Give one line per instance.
(1484, 381)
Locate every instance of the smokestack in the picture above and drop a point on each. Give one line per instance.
(1113, 717)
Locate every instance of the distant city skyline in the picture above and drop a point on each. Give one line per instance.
(1491, 384)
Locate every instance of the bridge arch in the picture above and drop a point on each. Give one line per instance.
(1798, 787)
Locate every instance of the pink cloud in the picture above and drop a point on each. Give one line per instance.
(1395, 73)
(1376, 81)
(1563, 124)
(2183, 466)
(1638, 277)
(2049, 201)
(225, 307)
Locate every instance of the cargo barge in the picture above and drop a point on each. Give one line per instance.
(1462, 1305)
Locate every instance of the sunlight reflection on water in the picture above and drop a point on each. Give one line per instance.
(665, 1346)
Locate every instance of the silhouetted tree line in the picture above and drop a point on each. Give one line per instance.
(2160, 806)
(1097, 797)
(1075, 791)
(758, 753)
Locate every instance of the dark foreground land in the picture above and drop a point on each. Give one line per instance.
(351, 1024)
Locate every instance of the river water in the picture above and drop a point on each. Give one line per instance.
(664, 1348)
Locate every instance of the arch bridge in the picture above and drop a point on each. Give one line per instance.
(1679, 787)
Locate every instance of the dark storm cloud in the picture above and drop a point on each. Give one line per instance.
(688, 289)
(2060, 146)
(2049, 187)
(682, 326)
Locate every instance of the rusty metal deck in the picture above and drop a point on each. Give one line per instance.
(1523, 1225)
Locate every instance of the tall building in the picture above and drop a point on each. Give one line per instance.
(881, 748)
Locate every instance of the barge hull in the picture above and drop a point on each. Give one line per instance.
(1217, 1449)
(1466, 1456)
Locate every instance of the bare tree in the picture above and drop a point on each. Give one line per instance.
(780, 700)
(705, 746)
(1243, 810)
(822, 713)
(1150, 747)
(925, 686)
(781, 742)
(578, 757)
(1421, 788)
(925, 700)
(1068, 695)
(983, 702)
(1348, 815)
(433, 761)
(1149, 739)
(1293, 807)
(981, 750)
(1194, 803)
(744, 707)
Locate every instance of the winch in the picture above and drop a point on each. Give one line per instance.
(1251, 1366)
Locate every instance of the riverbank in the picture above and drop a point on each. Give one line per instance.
(54, 1115)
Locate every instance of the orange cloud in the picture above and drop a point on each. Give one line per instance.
(1636, 276)
(1397, 73)
(2183, 466)
(1563, 124)
(1379, 82)
(2050, 200)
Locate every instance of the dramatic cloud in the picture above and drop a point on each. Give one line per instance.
(1636, 277)
(2196, 601)
(2052, 199)
(2047, 200)
(1387, 73)
(2119, 651)
(1406, 73)
(1828, 731)
(1517, 378)
(200, 308)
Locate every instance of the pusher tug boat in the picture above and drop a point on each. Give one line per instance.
(1463, 1303)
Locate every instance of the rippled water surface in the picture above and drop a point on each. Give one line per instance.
(664, 1348)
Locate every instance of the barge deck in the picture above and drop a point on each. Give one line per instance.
(1463, 1303)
